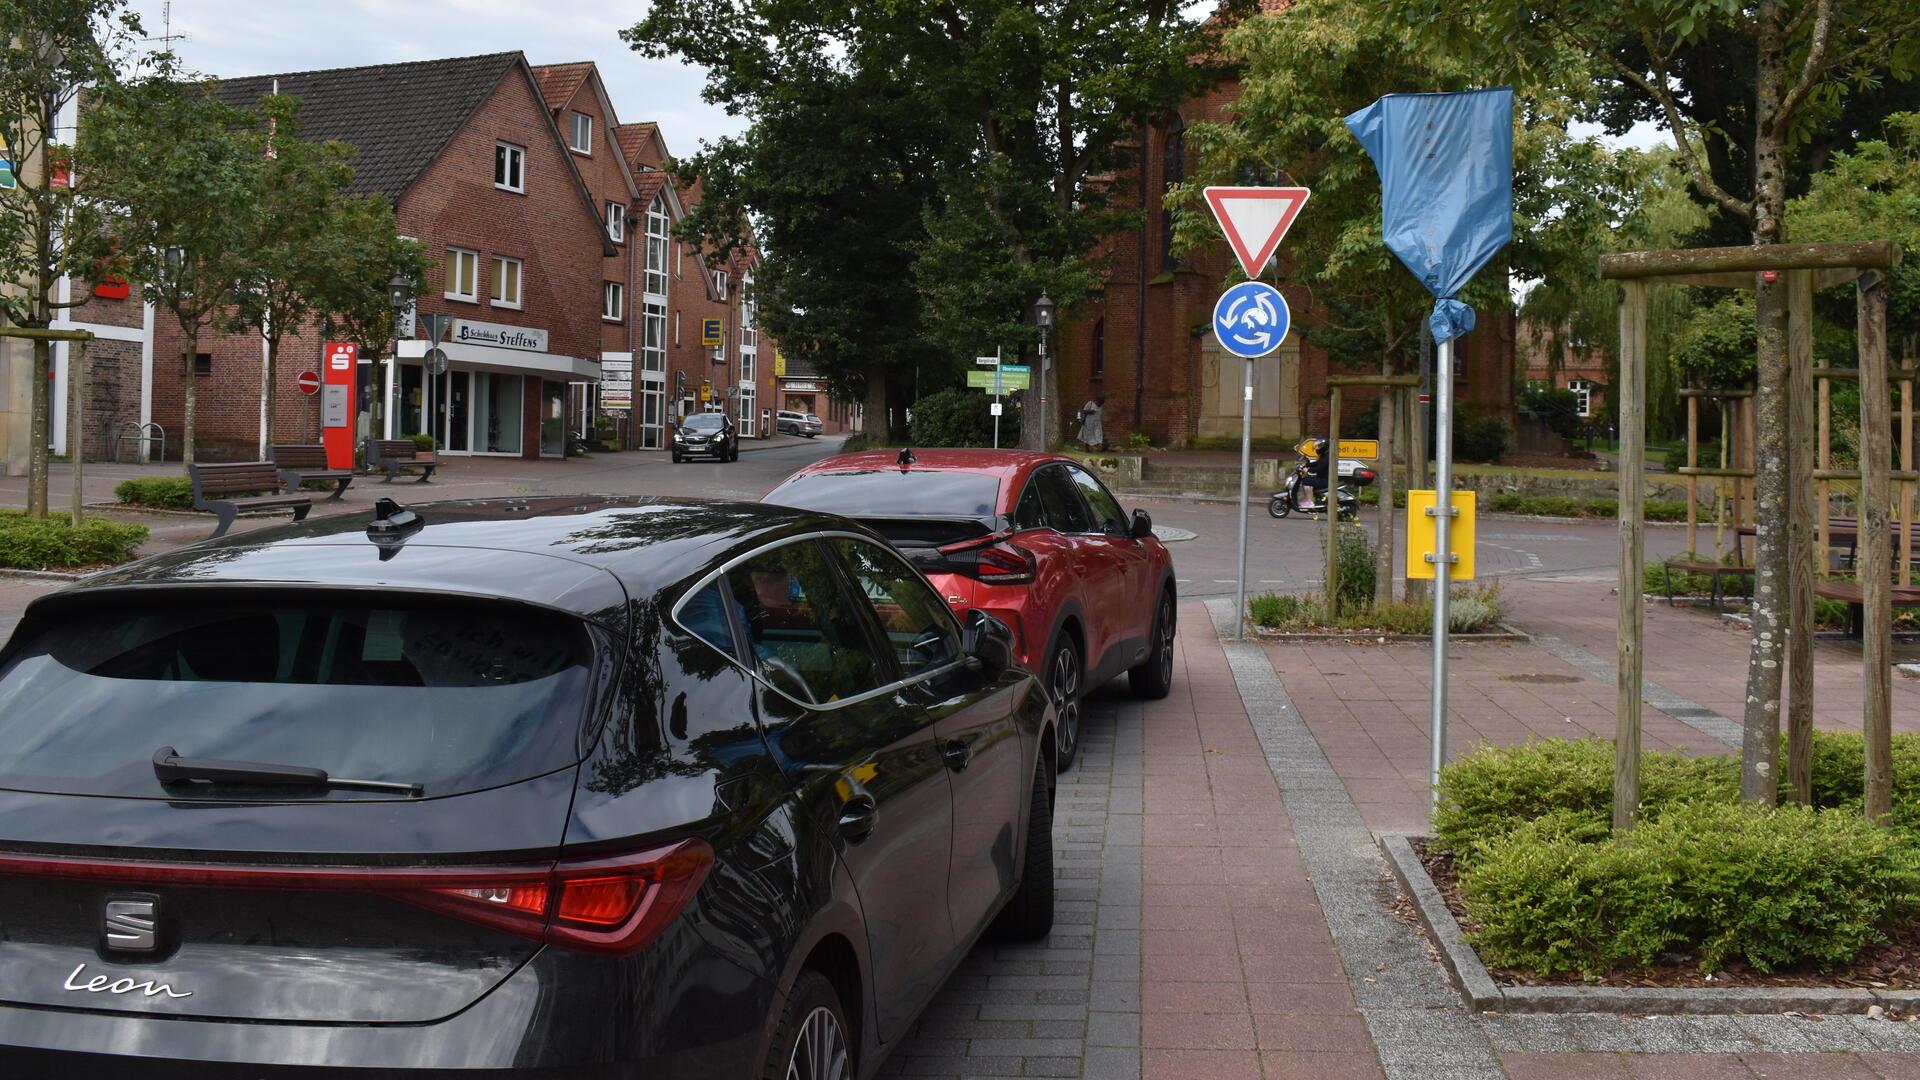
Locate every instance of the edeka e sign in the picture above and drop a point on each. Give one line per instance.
(498, 336)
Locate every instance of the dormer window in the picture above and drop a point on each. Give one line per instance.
(580, 134)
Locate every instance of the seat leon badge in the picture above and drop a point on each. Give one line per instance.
(132, 924)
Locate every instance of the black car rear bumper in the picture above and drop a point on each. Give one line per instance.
(560, 1015)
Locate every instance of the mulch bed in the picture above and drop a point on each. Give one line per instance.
(1892, 966)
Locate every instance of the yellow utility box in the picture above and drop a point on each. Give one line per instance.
(1422, 532)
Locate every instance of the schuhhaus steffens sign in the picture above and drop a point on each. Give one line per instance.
(499, 336)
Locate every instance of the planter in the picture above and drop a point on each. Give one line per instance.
(1481, 993)
(1505, 634)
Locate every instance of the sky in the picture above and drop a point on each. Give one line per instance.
(227, 38)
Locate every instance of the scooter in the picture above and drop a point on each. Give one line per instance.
(1353, 476)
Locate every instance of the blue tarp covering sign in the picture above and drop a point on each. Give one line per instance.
(1446, 180)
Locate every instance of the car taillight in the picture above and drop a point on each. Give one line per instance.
(614, 905)
(618, 905)
(991, 561)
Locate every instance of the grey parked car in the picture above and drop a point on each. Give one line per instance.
(789, 422)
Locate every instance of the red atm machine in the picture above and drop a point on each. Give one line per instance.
(336, 403)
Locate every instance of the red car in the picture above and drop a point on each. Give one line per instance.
(1033, 539)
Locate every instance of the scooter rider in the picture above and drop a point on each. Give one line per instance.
(1315, 477)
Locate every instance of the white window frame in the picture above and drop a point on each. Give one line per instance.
(720, 283)
(617, 221)
(500, 263)
(515, 160)
(584, 145)
(1583, 397)
(654, 270)
(613, 302)
(456, 258)
(676, 328)
(653, 338)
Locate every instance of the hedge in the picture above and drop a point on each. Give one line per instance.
(167, 492)
(1551, 891)
(53, 543)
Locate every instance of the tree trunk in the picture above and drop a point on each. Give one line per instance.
(269, 379)
(39, 433)
(1759, 772)
(190, 392)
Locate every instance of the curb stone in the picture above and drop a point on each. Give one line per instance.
(1482, 994)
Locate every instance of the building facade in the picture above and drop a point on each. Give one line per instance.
(1561, 361)
(547, 223)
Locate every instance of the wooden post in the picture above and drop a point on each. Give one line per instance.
(1693, 460)
(1721, 502)
(77, 427)
(1383, 525)
(1633, 438)
(1876, 651)
(1906, 486)
(1800, 451)
(1823, 516)
(1330, 504)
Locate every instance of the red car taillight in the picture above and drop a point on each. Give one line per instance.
(614, 905)
(991, 560)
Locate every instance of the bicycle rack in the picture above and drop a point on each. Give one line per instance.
(137, 433)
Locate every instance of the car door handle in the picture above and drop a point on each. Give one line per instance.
(958, 754)
(858, 816)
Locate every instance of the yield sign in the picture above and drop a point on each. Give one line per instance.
(1255, 219)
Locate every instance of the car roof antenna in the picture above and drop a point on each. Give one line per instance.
(391, 525)
(906, 458)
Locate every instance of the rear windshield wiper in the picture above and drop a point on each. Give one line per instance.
(170, 767)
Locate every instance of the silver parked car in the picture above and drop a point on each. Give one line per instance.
(789, 422)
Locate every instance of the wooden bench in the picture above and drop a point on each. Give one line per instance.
(298, 462)
(1850, 593)
(396, 454)
(228, 489)
(1713, 570)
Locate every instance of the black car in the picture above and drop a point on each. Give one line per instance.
(568, 786)
(706, 433)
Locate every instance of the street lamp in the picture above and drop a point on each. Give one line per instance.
(1043, 318)
(400, 292)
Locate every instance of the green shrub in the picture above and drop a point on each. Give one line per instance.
(1717, 881)
(1506, 502)
(1355, 568)
(1495, 789)
(423, 441)
(53, 543)
(1558, 408)
(1653, 580)
(171, 492)
(1481, 436)
(1136, 440)
(1273, 610)
(959, 417)
(1473, 610)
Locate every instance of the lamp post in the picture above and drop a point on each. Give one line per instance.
(1043, 318)
(400, 291)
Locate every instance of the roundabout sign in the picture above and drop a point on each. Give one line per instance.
(1251, 319)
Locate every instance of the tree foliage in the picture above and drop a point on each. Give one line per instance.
(178, 183)
(49, 51)
(974, 141)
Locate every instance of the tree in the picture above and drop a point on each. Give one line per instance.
(178, 178)
(287, 256)
(49, 50)
(1808, 58)
(992, 123)
(364, 254)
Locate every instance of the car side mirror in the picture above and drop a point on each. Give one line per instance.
(1141, 526)
(987, 640)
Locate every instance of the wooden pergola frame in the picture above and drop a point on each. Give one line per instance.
(1806, 268)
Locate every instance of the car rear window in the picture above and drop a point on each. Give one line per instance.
(891, 493)
(454, 696)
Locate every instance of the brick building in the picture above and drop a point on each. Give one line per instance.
(1145, 340)
(546, 222)
(1563, 362)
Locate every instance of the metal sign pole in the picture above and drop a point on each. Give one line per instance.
(996, 397)
(1246, 468)
(1442, 547)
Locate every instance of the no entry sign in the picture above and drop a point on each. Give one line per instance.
(309, 383)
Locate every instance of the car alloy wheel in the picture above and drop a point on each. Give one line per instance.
(1166, 640)
(1064, 682)
(821, 1051)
